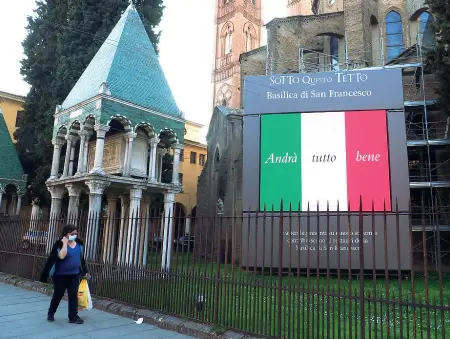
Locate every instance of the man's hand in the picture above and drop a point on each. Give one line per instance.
(64, 240)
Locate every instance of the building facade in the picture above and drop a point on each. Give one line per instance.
(11, 106)
(352, 34)
(238, 30)
(192, 161)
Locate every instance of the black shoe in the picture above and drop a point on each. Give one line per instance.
(77, 320)
(50, 318)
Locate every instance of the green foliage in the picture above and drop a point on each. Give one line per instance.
(63, 37)
(439, 59)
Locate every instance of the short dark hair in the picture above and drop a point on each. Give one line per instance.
(68, 229)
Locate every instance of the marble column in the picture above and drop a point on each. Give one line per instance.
(85, 168)
(161, 153)
(176, 164)
(74, 202)
(134, 222)
(57, 144)
(99, 148)
(96, 189)
(124, 214)
(153, 156)
(1, 197)
(187, 227)
(167, 236)
(145, 228)
(67, 157)
(72, 158)
(19, 203)
(35, 210)
(129, 152)
(57, 193)
(110, 229)
(83, 141)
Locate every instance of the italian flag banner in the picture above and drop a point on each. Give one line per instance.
(320, 159)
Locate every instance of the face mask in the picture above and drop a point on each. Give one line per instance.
(72, 237)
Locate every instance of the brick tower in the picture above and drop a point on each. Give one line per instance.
(238, 30)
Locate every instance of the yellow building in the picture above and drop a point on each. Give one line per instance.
(193, 158)
(11, 106)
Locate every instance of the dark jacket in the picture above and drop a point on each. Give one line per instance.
(53, 259)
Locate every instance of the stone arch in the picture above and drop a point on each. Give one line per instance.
(227, 27)
(123, 120)
(75, 128)
(224, 94)
(61, 133)
(168, 136)
(89, 123)
(226, 38)
(412, 7)
(420, 25)
(147, 128)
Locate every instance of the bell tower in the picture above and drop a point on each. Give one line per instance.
(238, 30)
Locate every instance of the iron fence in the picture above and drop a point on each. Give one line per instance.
(330, 274)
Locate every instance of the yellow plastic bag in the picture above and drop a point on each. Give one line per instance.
(84, 296)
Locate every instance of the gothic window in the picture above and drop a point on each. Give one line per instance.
(334, 53)
(250, 36)
(426, 32)
(394, 35)
(228, 43)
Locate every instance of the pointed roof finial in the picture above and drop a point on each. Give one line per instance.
(131, 4)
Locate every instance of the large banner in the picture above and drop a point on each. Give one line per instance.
(325, 159)
(325, 174)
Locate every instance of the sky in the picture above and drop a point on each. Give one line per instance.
(186, 49)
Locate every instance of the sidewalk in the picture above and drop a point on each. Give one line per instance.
(23, 314)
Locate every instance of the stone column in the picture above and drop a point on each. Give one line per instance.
(96, 188)
(125, 206)
(129, 137)
(176, 163)
(57, 193)
(167, 236)
(35, 209)
(109, 235)
(72, 157)
(74, 202)
(99, 148)
(1, 197)
(83, 141)
(145, 228)
(132, 238)
(161, 153)
(67, 157)
(187, 227)
(153, 156)
(19, 203)
(56, 155)
(85, 168)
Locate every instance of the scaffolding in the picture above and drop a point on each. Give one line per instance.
(428, 137)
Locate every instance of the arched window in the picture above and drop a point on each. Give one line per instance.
(334, 53)
(228, 43)
(427, 36)
(394, 35)
(248, 40)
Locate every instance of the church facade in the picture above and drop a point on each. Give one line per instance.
(333, 35)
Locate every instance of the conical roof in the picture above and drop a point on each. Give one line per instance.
(128, 64)
(11, 171)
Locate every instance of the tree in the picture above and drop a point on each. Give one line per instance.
(439, 58)
(63, 37)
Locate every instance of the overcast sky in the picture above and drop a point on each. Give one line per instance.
(186, 49)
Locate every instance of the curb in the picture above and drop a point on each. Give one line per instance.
(158, 319)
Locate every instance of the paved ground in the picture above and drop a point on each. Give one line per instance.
(23, 314)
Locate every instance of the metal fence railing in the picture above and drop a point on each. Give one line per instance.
(332, 274)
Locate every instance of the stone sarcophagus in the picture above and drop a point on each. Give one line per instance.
(114, 155)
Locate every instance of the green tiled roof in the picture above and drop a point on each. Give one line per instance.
(11, 171)
(128, 64)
